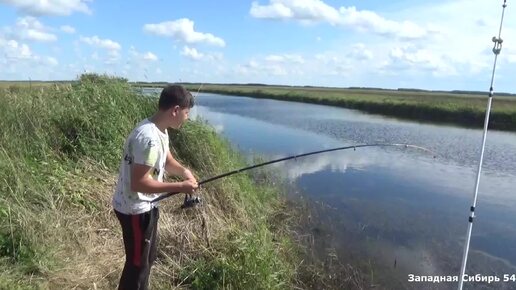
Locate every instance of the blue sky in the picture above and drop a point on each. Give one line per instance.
(418, 44)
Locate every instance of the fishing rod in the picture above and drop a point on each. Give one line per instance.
(198, 90)
(354, 147)
(496, 50)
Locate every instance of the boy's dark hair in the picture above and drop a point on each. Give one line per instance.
(175, 95)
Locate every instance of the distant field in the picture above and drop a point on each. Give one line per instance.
(34, 84)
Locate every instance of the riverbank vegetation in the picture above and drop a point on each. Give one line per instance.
(464, 109)
(60, 148)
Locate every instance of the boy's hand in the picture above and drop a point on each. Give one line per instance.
(189, 186)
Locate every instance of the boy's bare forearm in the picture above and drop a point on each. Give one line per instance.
(173, 167)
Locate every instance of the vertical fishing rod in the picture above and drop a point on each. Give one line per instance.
(496, 50)
(197, 94)
(199, 89)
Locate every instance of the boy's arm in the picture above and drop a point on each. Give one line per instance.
(145, 155)
(141, 181)
(175, 168)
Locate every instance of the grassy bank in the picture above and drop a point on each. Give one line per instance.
(60, 148)
(461, 109)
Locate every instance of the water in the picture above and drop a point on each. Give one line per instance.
(387, 204)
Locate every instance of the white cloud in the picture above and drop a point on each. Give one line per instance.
(360, 52)
(309, 11)
(272, 11)
(49, 7)
(509, 53)
(142, 57)
(335, 64)
(481, 22)
(141, 65)
(302, 70)
(67, 29)
(371, 22)
(150, 56)
(133, 52)
(256, 68)
(277, 70)
(51, 61)
(15, 55)
(285, 58)
(278, 65)
(409, 58)
(113, 57)
(101, 43)
(511, 57)
(29, 28)
(326, 58)
(112, 49)
(463, 43)
(183, 30)
(194, 54)
(12, 50)
(340, 63)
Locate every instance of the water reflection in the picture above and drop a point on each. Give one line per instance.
(456, 145)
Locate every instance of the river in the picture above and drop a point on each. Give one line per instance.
(400, 208)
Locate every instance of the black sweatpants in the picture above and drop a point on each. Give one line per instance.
(140, 242)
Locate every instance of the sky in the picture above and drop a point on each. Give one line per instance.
(438, 45)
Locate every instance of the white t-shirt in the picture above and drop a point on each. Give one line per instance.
(145, 145)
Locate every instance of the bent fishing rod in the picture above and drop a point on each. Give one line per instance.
(354, 147)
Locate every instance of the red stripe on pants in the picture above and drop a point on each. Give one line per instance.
(137, 240)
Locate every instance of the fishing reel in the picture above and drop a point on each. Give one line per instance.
(191, 201)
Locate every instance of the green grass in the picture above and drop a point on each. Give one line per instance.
(461, 109)
(60, 148)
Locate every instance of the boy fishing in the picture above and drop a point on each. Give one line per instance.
(145, 159)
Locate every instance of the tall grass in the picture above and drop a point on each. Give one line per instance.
(60, 148)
